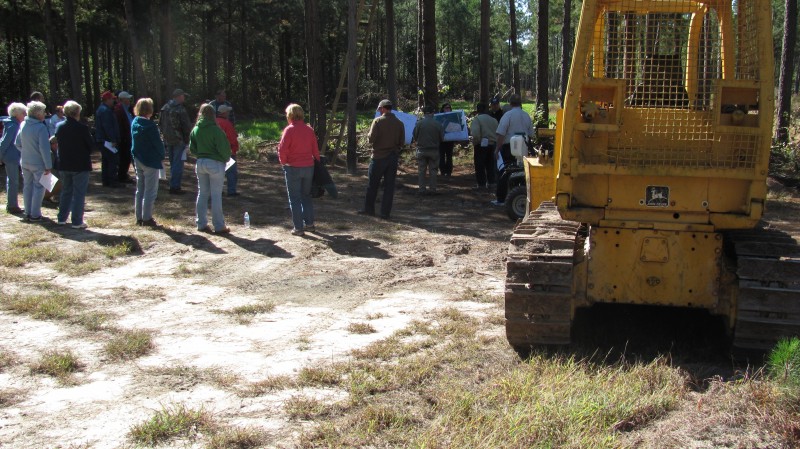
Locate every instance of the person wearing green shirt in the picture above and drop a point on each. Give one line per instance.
(208, 143)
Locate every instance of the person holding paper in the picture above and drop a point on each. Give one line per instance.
(9, 155)
(297, 152)
(75, 162)
(386, 135)
(515, 121)
(226, 125)
(33, 143)
(107, 138)
(148, 152)
(209, 144)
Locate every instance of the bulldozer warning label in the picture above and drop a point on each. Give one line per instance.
(657, 196)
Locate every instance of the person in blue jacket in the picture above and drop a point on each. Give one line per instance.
(107, 130)
(148, 152)
(33, 143)
(9, 155)
(75, 147)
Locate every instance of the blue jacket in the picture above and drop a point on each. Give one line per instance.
(9, 151)
(106, 126)
(74, 146)
(147, 146)
(33, 142)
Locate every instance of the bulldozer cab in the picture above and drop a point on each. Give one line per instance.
(668, 114)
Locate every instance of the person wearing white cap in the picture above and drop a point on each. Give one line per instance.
(221, 98)
(124, 116)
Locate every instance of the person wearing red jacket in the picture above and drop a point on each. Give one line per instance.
(297, 152)
(224, 122)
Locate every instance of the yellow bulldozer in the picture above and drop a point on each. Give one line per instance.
(656, 187)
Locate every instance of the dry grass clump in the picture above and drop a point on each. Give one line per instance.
(129, 344)
(46, 305)
(238, 438)
(361, 328)
(58, 364)
(244, 314)
(267, 385)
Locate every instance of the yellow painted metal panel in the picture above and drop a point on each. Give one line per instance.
(636, 266)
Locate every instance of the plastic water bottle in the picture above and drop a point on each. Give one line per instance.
(246, 220)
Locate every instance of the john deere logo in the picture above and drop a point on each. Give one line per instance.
(657, 196)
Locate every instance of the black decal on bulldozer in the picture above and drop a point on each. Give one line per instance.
(657, 196)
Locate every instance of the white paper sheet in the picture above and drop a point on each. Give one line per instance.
(185, 153)
(162, 174)
(229, 164)
(110, 147)
(48, 181)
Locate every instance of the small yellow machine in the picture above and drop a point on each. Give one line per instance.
(657, 184)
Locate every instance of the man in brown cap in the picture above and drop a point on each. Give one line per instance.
(175, 129)
(387, 136)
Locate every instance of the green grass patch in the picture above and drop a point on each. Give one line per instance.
(361, 328)
(129, 344)
(94, 321)
(184, 270)
(21, 256)
(58, 364)
(121, 249)
(320, 376)
(42, 306)
(172, 421)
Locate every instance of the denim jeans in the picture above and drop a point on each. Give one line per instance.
(12, 183)
(175, 153)
(385, 168)
(298, 188)
(73, 195)
(109, 166)
(146, 190)
(232, 176)
(210, 177)
(427, 161)
(32, 191)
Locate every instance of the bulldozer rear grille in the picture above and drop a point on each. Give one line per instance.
(672, 68)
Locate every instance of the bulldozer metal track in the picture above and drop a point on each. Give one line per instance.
(539, 279)
(768, 271)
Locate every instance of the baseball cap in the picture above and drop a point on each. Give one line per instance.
(178, 92)
(124, 95)
(223, 109)
(494, 100)
(107, 95)
(385, 104)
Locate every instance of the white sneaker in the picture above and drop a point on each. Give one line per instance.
(80, 226)
(61, 223)
(497, 203)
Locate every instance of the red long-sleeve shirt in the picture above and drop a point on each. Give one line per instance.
(298, 146)
(230, 133)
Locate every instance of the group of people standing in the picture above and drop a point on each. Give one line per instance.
(36, 145)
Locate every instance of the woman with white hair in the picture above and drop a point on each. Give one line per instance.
(75, 145)
(9, 154)
(33, 142)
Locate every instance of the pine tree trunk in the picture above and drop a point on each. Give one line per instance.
(167, 50)
(483, 68)
(51, 51)
(391, 53)
(430, 82)
(543, 62)
(566, 48)
(316, 89)
(787, 70)
(512, 17)
(138, 71)
(352, 91)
